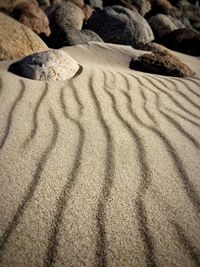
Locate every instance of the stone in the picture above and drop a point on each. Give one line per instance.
(65, 14)
(120, 25)
(95, 3)
(196, 26)
(44, 3)
(186, 22)
(161, 63)
(87, 10)
(143, 6)
(124, 3)
(189, 11)
(183, 40)
(17, 40)
(51, 65)
(7, 6)
(162, 24)
(163, 7)
(33, 17)
(70, 36)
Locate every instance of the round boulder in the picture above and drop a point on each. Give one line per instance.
(116, 24)
(17, 40)
(51, 65)
(162, 24)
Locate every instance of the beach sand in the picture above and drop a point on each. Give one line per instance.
(101, 170)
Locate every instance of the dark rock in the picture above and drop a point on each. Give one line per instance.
(143, 6)
(189, 11)
(95, 3)
(44, 3)
(196, 26)
(162, 24)
(119, 25)
(161, 63)
(163, 7)
(51, 65)
(183, 40)
(124, 3)
(70, 36)
(33, 17)
(17, 40)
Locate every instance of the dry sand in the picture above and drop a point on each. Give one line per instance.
(102, 170)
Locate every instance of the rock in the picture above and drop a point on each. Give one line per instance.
(33, 17)
(120, 25)
(124, 3)
(186, 22)
(51, 65)
(44, 3)
(7, 6)
(17, 40)
(143, 6)
(87, 10)
(95, 3)
(65, 14)
(196, 26)
(153, 47)
(189, 11)
(161, 63)
(183, 40)
(162, 24)
(70, 36)
(163, 7)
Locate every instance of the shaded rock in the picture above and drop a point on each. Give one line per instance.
(33, 17)
(7, 6)
(44, 3)
(153, 47)
(119, 25)
(189, 11)
(70, 36)
(65, 14)
(183, 40)
(162, 24)
(51, 65)
(124, 3)
(161, 63)
(95, 3)
(163, 7)
(87, 10)
(143, 6)
(186, 22)
(196, 26)
(17, 40)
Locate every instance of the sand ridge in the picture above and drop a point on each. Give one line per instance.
(101, 170)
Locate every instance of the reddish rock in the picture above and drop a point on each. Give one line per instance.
(87, 10)
(33, 17)
(183, 40)
(161, 63)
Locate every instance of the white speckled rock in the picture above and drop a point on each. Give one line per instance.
(51, 65)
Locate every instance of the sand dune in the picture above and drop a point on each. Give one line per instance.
(101, 170)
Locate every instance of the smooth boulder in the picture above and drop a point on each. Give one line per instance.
(51, 65)
(162, 63)
(17, 40)
(162, 24)
(33, 17)
(120, 25)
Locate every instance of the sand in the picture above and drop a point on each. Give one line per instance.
(101, 170)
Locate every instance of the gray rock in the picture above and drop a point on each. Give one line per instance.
(95, 3)
(70, 36)
(51, 65)
(64, 14)
(143, 6)
(162, 24)
(120, 25)
(186, 22)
